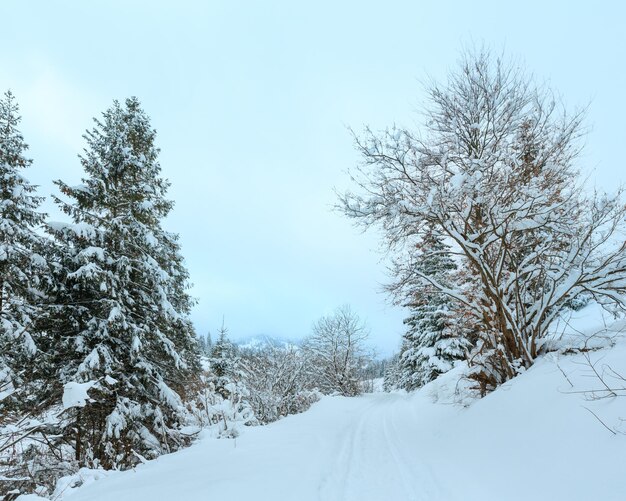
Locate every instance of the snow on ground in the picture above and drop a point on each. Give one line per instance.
(534, 438)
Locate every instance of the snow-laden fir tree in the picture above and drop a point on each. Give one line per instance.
(391, 376)
(223, 397)
(431, 343)
(22, 266)
(225, 365)
(118, 320)
(206, 344)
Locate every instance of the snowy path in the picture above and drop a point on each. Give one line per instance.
(374, 459)
(529, 440)
(342, 449)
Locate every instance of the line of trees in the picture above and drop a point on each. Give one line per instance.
(332, 360)
(100, 365)
(489, 183)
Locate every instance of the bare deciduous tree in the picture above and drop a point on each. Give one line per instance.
(493, 170)
(336, 352)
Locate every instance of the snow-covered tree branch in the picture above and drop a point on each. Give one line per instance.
(493, 170)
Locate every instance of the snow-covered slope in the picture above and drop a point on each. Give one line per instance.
(261, 341)
(534, 438)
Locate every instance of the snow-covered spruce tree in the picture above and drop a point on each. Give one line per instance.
(391, 376)
(118, 320)
(206, 344)
(223, 397)
(22, 266)
(492, 169)
(225, 365)
(431, 343)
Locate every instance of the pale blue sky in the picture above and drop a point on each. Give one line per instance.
(251, 101)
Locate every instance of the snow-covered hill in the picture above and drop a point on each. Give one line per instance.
(539, 437)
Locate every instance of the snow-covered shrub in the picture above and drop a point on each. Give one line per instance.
(36, 469)
(33, 454)
(221, 399)
(224, 416)
(279, 382)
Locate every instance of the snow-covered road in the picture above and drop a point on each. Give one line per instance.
(374, 457)
(531, 439)
(342, 449)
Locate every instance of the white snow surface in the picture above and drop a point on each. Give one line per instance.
(533, 438)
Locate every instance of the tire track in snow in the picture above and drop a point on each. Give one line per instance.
(408, 480)
(417, 473)
(373, 442)
(334, 485)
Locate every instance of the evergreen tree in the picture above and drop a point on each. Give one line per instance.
(392, 376)
(225, 395)
(431, 344)
(224, 365)
(206, 344)
(202, 344)
(209, 343)
(22, 266)
(118, 318)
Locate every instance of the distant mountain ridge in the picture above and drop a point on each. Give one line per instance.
(261, 341)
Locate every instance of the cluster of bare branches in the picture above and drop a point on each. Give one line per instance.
(279, 382)
(337, 353)
(493, 171)
(34, 452)
(610, 384)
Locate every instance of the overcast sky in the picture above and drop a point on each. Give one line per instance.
(251, 101)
